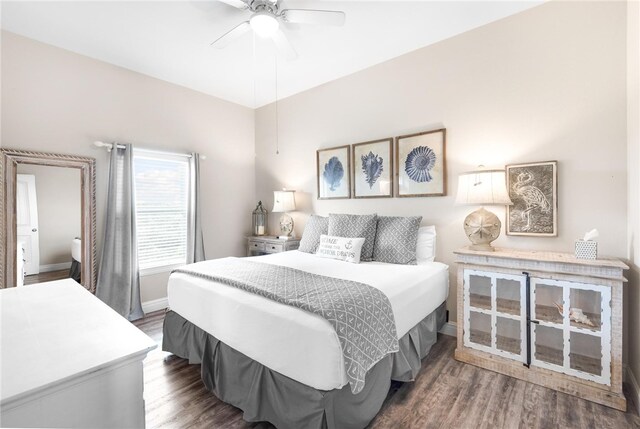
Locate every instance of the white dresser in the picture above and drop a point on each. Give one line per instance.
(68, 360)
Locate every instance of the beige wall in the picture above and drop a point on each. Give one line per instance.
(632, 295)
(546, 84)
(57, 101)
(59, 210)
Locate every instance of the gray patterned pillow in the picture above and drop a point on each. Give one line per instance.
(396, 239)
(315, 227)
(346, 225)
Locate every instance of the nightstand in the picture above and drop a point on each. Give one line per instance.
(270, 244)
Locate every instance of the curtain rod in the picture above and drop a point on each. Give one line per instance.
(109, 146)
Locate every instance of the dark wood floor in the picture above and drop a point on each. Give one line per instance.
(46, 277)
(446, 394)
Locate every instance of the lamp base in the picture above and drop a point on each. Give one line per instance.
(286, 225)
(482, 227)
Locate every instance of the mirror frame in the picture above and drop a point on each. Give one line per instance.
(9, 160)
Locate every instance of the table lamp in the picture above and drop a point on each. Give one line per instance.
(483, 187)
(283, 202)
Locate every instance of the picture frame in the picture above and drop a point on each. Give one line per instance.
(533, 188)
(420, 164)
(333, 173)
(372, 164)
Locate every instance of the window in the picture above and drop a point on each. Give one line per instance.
(162, 209)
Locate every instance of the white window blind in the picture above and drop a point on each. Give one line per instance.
(162, 209)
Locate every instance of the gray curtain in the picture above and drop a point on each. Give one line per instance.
(195, 251)
(118, 277)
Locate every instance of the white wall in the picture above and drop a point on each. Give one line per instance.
(632, 295)
(58, 101)
(546, 84)
(59, 210)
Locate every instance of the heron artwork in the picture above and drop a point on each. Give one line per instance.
(533, 197)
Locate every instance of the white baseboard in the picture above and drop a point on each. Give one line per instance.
(631, 379)
(450, 328)
(155, 305)
(55, 267)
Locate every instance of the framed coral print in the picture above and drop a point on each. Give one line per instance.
(372, 165)
(333, 169)
(421, 165)
(533, 188)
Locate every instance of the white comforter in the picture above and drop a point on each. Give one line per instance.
(291, 341)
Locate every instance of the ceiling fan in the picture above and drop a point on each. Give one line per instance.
(266, 18)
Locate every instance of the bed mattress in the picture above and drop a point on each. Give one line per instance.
(291, 341)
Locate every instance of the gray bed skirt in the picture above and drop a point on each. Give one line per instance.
(266, 395)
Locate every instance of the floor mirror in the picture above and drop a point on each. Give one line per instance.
(47, 218)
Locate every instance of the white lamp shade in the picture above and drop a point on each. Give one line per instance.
(264, 24)
(283, 201)
(485, 187)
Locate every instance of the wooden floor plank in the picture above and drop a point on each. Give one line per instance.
(46, 277)
(445, 394)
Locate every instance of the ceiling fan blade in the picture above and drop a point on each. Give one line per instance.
(318, 17)
(231, 35)
(284, 46)
(238, 4)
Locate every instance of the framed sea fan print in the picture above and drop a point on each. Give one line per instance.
(333, 167)
(421, 165)
(533, 188)
(372, 165)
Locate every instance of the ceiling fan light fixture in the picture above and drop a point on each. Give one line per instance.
(264, 24)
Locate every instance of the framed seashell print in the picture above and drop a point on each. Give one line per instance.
(372, 165)
(333, 173)
(421, 164)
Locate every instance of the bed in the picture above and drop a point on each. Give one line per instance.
(281, 364)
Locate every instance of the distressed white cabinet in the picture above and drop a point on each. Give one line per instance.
(544, 317)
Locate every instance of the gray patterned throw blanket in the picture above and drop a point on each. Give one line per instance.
(360, 314)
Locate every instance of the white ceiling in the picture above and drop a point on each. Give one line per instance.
(170, 40)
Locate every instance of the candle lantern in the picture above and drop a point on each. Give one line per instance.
(260, 220)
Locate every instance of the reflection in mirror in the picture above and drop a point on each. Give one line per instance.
(48, 223)
(47, 218)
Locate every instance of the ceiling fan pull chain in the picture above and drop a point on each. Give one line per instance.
(255, 73)
(277, 116)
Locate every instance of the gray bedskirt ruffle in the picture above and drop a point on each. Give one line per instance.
(266, 395)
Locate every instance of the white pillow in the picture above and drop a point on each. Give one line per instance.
(426, 247)
(340, 248)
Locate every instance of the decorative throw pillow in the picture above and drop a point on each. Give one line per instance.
(315, 227)
(396, 239)
(426, 248)
(340, 248)
(346, 225)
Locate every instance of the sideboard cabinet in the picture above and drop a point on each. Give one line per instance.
(544, 317)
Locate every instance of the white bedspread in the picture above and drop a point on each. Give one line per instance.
(293, 342)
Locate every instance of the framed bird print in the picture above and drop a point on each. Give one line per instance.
(533, 188)
(420, 164)
(333, 173)
(372, 164)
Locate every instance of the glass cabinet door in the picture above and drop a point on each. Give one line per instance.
(571, 328)
(495, 317)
